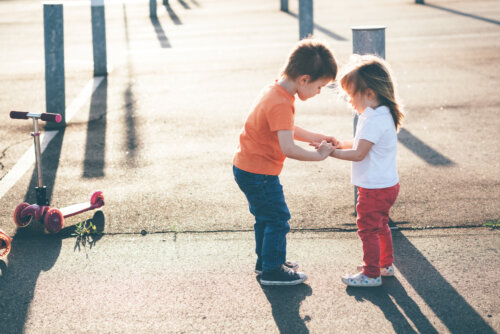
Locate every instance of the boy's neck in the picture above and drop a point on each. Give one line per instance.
(289, 85)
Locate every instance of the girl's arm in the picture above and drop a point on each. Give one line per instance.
(291, 150)
(358, 154)
(346, 144)
(311, 137)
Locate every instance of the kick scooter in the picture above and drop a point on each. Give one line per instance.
(51, 218)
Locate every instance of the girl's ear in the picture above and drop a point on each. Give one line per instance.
(370, 94)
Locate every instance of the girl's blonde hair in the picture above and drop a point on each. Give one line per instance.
(369, 71)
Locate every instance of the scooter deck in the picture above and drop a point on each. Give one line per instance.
(75, 209)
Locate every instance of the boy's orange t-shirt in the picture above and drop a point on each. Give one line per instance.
(259, 149)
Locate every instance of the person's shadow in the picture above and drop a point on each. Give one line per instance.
(381, 296)
(285, 304)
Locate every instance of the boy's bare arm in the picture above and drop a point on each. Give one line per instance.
(311, 137)
(291, 150)
(358, 154)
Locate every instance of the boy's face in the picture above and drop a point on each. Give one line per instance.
(308, 89)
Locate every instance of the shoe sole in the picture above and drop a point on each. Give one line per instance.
(283, 283)
(361, 285)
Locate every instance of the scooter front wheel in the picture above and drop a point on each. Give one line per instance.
(97, 199)
(21, 222)
(54, 220)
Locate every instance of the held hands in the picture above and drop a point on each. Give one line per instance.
(324, 148)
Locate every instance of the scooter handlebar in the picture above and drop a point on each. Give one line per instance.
(47, 117)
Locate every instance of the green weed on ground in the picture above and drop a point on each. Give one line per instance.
(493, 224)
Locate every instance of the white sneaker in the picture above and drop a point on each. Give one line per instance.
(361, 280)
(385, 271)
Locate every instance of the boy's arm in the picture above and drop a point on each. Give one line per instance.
(358, 154)
(311, 137)
(291, 150)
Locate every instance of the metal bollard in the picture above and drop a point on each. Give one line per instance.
(284, 6)
(152, 8)
(99, 37)
(367, 40)
(53, 28)
(306, 22)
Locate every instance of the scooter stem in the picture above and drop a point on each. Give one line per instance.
(38, 151)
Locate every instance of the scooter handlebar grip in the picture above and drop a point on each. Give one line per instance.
(50, 117)
(19, 114)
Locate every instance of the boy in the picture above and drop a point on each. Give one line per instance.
(266, 139)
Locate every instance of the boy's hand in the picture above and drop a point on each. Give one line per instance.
(332, 140)
(324, 149)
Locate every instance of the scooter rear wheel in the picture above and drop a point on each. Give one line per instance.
(5, 246)
(21, 222)
(54, 220)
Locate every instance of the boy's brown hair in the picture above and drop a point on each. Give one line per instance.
(313, 58)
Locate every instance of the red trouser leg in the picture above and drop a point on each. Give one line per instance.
(373, 217)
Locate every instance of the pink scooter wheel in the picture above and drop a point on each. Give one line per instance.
(5, 245)
(21, 222)
(97, 199)
(54, 220)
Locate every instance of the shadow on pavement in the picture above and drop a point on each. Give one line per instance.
(172, 14)
(421, 149)
(28, 258)
(32, 252)
(285, 303)
(160, 33)
(453, 11)
(448, 305)
(322, 29)
(184, 4)
(381, 297)
(93, 165)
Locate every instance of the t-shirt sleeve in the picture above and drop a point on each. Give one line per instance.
(280, 117)
(372, 132)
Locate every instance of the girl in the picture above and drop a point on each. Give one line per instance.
(371, 92)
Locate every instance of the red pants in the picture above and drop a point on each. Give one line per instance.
(373, 227)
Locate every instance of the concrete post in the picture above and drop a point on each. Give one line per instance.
(367, 40)
(284, 5)
(99, 37)
(53, 27)
(306, 21)
(152, 8)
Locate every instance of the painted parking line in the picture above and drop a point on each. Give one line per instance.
(28, 158)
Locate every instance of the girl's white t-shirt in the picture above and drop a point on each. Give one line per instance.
(378, 168)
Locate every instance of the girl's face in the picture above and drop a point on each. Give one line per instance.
(308, 89)
(360, 101)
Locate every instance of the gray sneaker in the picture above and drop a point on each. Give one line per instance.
(282, 276)
(290, 264)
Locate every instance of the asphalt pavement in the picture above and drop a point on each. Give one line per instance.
(157, 137)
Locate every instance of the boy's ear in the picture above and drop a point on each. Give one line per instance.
(304, 79)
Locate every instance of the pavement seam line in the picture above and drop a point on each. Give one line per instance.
(28, 158)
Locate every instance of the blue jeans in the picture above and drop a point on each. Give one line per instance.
(267, 203)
